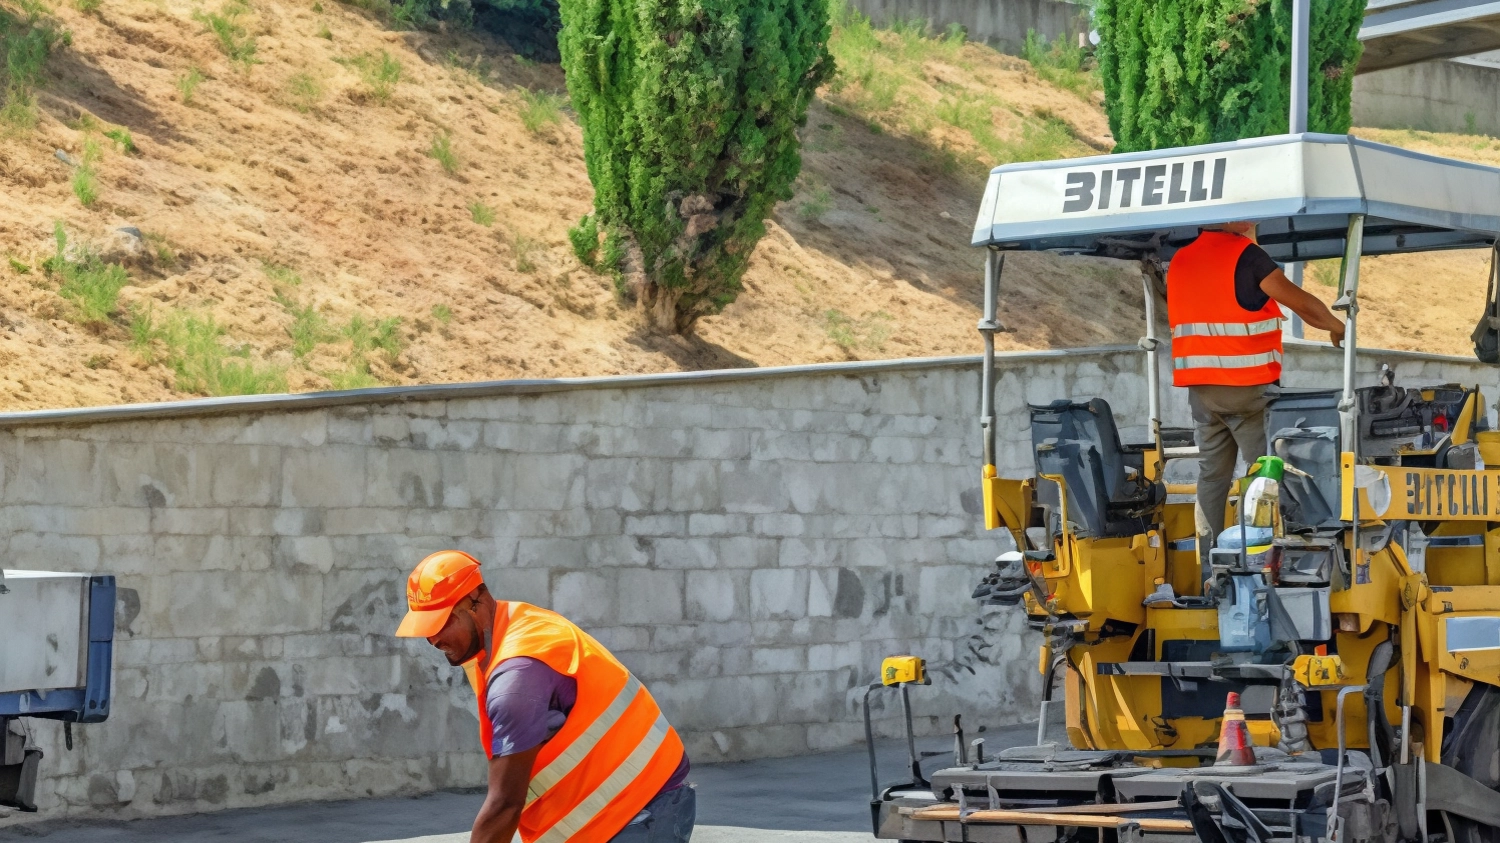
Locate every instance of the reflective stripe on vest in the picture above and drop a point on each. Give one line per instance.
(1225, 329)
(1222, 361)
(542, 780)
(621, 778)
(1215, 341)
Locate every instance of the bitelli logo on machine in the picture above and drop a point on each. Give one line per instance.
(1173, 183)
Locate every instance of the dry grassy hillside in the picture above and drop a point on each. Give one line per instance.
(324, 201)
(1423, 302)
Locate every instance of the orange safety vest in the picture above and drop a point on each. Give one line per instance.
(1214, 340)
(614, 753)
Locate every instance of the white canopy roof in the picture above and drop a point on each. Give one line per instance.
(1300, 188)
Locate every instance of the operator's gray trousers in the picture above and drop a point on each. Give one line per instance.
(1228, 421)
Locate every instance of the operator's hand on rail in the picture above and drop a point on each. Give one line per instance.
(1299, 301)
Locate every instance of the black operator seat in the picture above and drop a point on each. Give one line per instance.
(1107, 491)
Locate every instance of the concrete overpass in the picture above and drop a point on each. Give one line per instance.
(1397, 33)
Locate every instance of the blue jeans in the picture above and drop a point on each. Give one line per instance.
(668, 818)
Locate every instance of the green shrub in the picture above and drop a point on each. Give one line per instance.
(85, 177)
(162, 250)
(442, 152)
(585, 240)
(525, 250)
(852, 334)
(234, 40)
(281, 274)
(92, 285)
(543, 13)
(482, 213)
(25, 43)
(187, 84)
(817, 202)
(122, 138)
(353, 378)
(1061, 63)
(144, 332)
(540, 109)
(381, 72)
(408, 14)
(367, 336)
(442, 313)
(308, 330)
(1184, 72)
(690, 114)
(88, 6)
(203, 363)
(305, 90)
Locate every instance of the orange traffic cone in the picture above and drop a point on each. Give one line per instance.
(1235, 749)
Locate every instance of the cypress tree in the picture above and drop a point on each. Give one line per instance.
(1185, 72)
(690, 111)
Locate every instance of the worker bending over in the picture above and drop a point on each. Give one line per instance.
(578, 750)
(1222, 297)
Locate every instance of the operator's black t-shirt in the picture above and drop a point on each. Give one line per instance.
(1254, 266)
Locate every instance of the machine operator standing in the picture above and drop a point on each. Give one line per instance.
(578, 750)
(1223, 292)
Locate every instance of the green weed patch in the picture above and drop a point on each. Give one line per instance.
(540, 109)
(234, 39)
(90, 284)
(196, 348)
(26, 39)
(380, 72)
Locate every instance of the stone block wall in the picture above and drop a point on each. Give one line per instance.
(1002, 24)
(750, 543)
(1458, 95)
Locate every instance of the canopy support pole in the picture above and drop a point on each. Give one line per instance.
(1152, 344)
(1297, 119)
(994, 263)
(1294, 274)
(1301, 22)
(1348, 302)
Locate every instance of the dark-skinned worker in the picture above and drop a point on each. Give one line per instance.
(1223, 293)
(578, 750)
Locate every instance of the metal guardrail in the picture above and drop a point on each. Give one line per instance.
(376, 396)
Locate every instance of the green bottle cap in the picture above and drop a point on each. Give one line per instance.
(1272, 467)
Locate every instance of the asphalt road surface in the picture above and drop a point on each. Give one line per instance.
(822, 798)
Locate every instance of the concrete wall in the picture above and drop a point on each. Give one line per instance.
(1000, 23)
(1437, 96)
(751, 543)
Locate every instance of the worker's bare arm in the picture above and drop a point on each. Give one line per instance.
(1304, 304)
(501, 812)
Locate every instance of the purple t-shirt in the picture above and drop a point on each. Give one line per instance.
(528, 702)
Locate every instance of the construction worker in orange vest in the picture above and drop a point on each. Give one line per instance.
(1222, 297)
(578, 750)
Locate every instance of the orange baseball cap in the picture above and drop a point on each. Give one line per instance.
(434, 588)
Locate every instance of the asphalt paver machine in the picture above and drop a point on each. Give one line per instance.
(1363, 640)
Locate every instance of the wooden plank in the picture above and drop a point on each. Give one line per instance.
(949, 813)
